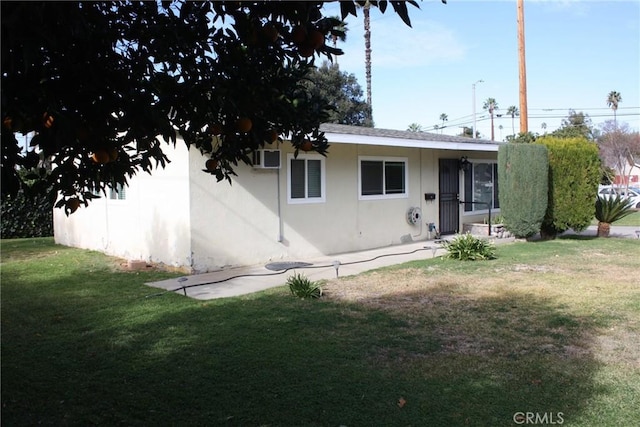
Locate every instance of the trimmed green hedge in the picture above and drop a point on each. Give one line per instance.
(523, 171)
(574, 174)
(26, 215)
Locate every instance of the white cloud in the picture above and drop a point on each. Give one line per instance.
(425, 44)
(395, 45)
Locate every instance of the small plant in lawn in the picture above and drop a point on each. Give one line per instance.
(302, 287)
(466, 247)
(609, 211)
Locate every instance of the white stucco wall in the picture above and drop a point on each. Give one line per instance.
(151, 224)
(182, 216)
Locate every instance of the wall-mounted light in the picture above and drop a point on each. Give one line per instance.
(464, 164)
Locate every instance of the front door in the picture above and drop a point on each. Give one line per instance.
(449, 186)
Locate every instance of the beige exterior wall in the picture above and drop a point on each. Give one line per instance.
(253, 222)
(182, 216)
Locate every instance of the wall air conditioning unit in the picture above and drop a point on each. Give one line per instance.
(266, 159)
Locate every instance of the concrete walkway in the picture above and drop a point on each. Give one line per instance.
(616, 231)
(245, 280)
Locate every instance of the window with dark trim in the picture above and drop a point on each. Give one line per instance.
(481, 187)
(382, 177)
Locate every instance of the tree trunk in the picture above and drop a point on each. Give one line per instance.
(603, 229)
(367, 52)
(492, 134)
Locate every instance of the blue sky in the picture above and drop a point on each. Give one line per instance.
(577, 51)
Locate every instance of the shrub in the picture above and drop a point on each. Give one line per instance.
(302, 287)
(466, 247)
(26, 215)
(611, 210)
(574, 174)
(523, 171)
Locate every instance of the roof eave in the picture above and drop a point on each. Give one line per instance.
(343, 138)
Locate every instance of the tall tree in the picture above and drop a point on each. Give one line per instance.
(577, 124)
(513, 112)
(444, 118)
(467, 132)
(342, 36)
(613, 99)
(491, 106)
(342, 91)
(619, 150)
(367, 50)
(102, 84)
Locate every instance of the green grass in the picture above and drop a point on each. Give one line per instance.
(547, 327)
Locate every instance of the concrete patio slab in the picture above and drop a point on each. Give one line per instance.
(245, 280)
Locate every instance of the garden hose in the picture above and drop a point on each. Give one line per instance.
(336, 264)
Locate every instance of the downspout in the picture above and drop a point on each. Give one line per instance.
(420, 197)
(280, 227)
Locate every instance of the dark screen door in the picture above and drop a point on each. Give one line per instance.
(449, 185)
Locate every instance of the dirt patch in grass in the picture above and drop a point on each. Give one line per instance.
(564, 311)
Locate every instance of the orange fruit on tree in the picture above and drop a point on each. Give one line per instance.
(306, 145)
(298, 34)
(47, 120)
(7, 122)
(315, 39)
(73, 204)
(100, 156)
(244, 124)
(113, 154)
(211, 165)
(270, 32)
(271, 136)
(306, 51)
(215, 129)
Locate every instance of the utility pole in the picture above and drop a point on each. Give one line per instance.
(524, 115)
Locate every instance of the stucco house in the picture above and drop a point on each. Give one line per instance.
(630, 176)
(375, 188)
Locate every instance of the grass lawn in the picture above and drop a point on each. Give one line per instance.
(550, 328)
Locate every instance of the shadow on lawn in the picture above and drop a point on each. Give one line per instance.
(276, 360)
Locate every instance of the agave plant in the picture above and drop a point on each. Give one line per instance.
(466, 247)
(609, 211)
(302, 287)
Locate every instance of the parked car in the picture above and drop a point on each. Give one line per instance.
(631, 193)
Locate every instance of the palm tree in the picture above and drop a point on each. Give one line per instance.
(340, 34)
(609, 211)
(613, 99)
(544, 126)
(513, 112)
(500, 127)
(414, 127)
(491, 105)
(367, 51)
(444, 118)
